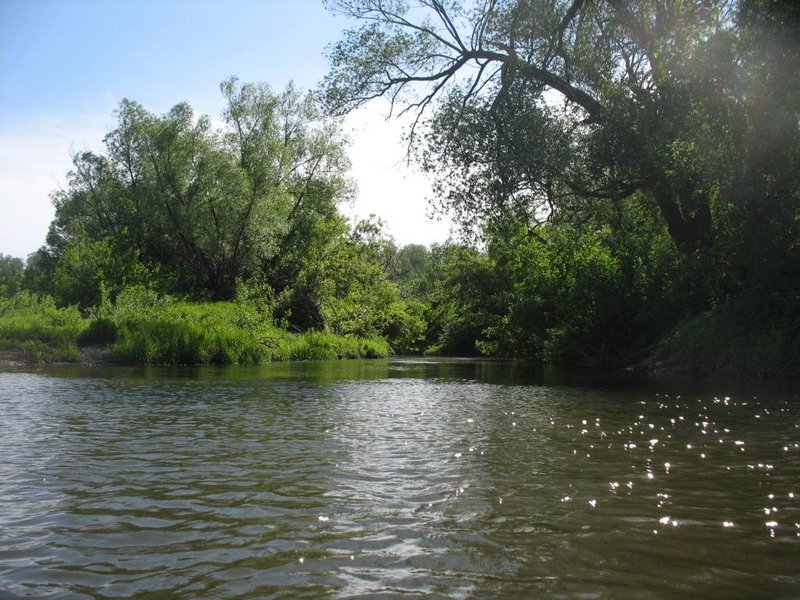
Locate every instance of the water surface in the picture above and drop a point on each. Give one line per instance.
(401, 478)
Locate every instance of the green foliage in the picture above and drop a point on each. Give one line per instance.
(142, 327)
(755, 336)
(153, 329)
(184, 339)
(590, 294)
(411, 270)
(246, 212)
(349, 289)
(193, 210)
(664, 184)
(34, 327)
(463, 303)
(39, 272)
(11, 275)
(649, 89)
(86, 268)
(586, 294)
(320, 345)
(406, 326)
(100, 332)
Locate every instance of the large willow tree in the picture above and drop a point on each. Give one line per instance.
(629, 164)
(541, 106)
(197, 207)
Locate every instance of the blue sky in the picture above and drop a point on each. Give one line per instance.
(65, 65)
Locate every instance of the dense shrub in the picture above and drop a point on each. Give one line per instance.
(36, 328)
(751, 335)
(142, 327)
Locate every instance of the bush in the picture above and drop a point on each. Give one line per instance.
(35, 327)
(143, 327)
(752, 335)
(100, 332)
(160, 330)
(406, 328)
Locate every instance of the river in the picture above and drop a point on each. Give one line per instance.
(398, 478)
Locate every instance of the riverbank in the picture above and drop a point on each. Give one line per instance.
(755, 336)
(33, 330)
(309, 346)
(89, 356)
(750, 340)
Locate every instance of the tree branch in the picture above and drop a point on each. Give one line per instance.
(532, 72)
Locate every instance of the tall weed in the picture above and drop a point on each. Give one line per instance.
(34, 326)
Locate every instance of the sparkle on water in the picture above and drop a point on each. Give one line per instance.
(406, 477)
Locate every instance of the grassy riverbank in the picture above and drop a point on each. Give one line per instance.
(158, 330)
(757, 336)
(753, 336)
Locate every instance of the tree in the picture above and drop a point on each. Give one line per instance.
(11, 274)
(410, 269)
(463, 299)
(347, 285)
(630, 99)
(626, 164)
(201, 208)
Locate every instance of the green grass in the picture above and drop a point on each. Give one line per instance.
(320, 345)
(143, 328)
(37, 331)
(182, 333)
(197, 334)
(751, 336)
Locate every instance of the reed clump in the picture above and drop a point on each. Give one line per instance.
(142, 327)
(34, 329)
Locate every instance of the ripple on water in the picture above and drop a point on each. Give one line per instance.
(448, 487)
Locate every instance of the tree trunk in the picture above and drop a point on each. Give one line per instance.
(687, 213)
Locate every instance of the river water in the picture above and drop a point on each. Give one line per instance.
(399, 478)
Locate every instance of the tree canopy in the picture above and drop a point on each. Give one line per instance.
(247, 210)
(537, 104)
(627, 166)
(198, 207)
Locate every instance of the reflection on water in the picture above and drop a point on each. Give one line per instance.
(392, 478)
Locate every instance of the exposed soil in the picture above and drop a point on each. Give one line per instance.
(90, 355)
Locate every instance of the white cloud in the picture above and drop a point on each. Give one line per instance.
(35, 158)
(388, 186)
(34, 161)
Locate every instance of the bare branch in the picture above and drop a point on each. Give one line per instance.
(480, 28)
(448, 23)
